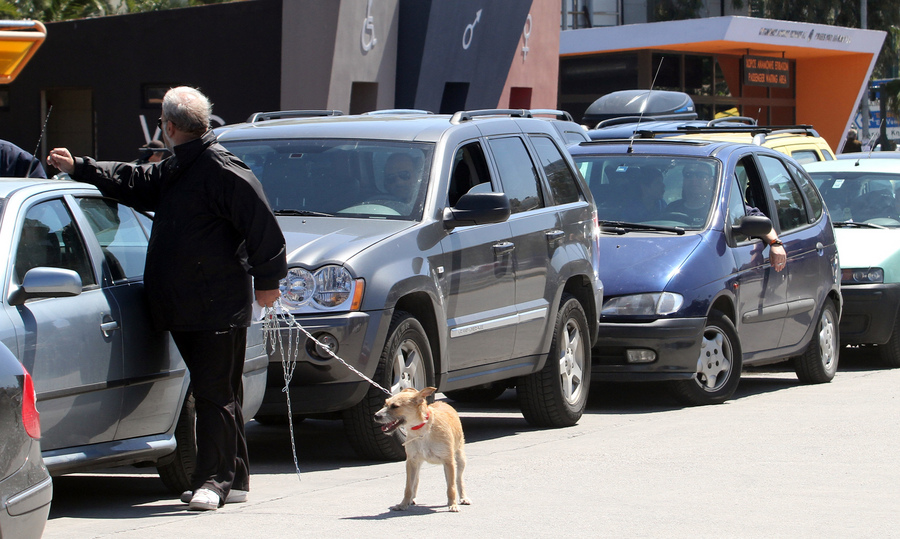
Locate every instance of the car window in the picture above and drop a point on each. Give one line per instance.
(518, 175)
(563, 185)
(469, 173)
(860, 196)
(354, 178)
(789, 204)
(805, 156)
(737, 207)
(816, 205)
(50, 238)
(120, 235)
(670, 191)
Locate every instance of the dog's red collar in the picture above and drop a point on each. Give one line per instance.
(419, 426)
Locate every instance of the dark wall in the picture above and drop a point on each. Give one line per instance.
(430, 52)
(232, 52)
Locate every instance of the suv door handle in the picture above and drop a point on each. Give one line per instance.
(108, 325)
(503, 247)
(554, 235)
(820, 249)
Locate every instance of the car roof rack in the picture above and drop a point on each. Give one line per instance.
(557, 114)
(468, 115)
(281, 114)
(753, 130)
(396, 111)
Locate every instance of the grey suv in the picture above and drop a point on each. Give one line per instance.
(424, 249)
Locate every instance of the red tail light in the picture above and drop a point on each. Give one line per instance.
(30, 416)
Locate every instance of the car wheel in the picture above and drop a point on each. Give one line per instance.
(405, 362)
(818, 363)
(889, 352)
(556, 395)
(478, 394)
(177, 470)
(718, 367)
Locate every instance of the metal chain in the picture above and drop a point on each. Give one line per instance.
(277, 322)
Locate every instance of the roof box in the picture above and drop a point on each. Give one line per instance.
(652, 104)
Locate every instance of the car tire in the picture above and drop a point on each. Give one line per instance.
(718, 366)
(177, 470)
(556, 395)
(819, 362)
(478, 394)
(889, 352)
(405, 362)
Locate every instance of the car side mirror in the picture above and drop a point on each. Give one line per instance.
(477, 209)
(47, 283)
(753, 226)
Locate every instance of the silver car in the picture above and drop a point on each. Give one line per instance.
(110, 390)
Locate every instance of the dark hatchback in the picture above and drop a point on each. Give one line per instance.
(690, 295)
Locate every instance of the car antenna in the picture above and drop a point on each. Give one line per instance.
(40, 138)
(870, 141)
(644, 106)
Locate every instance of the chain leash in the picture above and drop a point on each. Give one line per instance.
(280, 325)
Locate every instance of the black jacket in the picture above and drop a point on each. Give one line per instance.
(212, 230)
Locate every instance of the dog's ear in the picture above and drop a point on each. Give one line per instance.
(427, 392)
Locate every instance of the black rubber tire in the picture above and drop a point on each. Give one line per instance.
(819, 362)
(724, 355)
(176, 471)
(544, 400)
(406, 339)
(478, 394)
(889, 352)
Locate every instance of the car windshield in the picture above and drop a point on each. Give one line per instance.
(860, 197)
(664, 192)
(346, 178)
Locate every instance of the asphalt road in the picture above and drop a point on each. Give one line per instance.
(779, 460)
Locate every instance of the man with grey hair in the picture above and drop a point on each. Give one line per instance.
(214, 239)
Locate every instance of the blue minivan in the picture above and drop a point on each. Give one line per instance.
(690, 295)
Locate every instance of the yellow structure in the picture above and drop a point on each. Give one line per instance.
(19, 40)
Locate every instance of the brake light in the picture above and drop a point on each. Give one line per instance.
(31, 419)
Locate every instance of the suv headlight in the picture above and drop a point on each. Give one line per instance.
(862, 275)
(657, 303)
(329, 288)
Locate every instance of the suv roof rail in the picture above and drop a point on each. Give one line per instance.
(396, 111)
(749, 129)
(557, 114)
(468, 115)
(280, 114)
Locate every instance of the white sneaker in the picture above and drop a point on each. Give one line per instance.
(204, 500)
(234, 496)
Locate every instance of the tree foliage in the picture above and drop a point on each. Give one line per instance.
(63, 10)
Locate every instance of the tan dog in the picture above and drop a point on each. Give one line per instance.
(433, 434)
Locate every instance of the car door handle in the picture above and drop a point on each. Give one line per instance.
(108, 325)
(820, 249)
(503, 247)
(554, 235)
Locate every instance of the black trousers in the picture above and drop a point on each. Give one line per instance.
(215, 360)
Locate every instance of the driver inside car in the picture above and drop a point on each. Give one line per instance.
(400, 178)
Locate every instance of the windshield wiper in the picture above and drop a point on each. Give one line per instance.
(302, 213)
(620, 227)
(851, 224)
